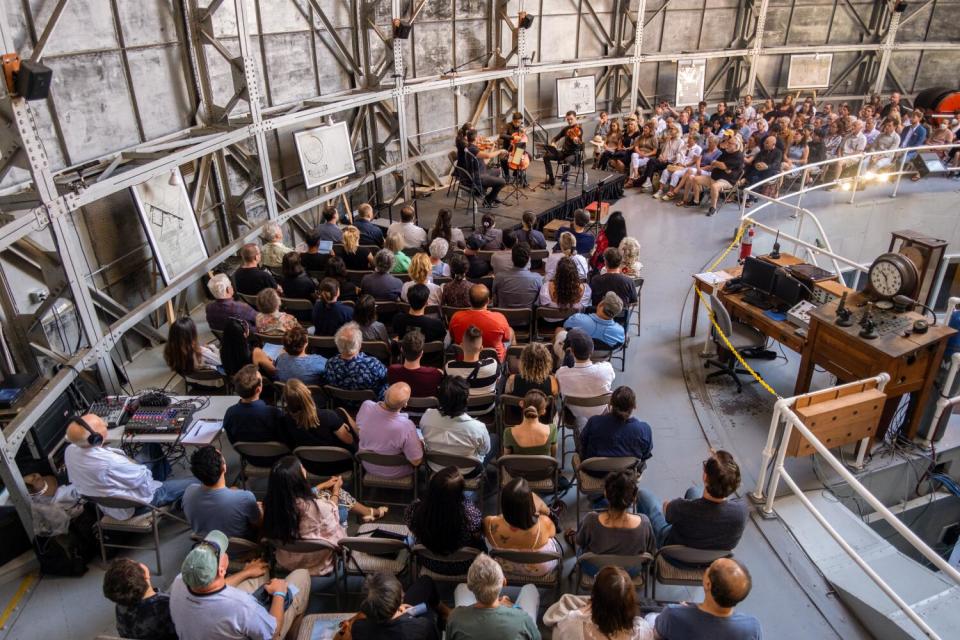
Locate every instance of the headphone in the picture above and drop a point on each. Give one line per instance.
(94, 439)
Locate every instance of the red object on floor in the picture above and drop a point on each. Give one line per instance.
(592, 210)
(746, 244)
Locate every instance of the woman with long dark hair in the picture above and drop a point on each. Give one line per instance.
(293, 510)
(365, 315)
(337, 269)
(296, 283)
(612, 612)
(524, 525)
(445, 520)
(610, 236)
(236, 352)
(443, 228)
(565, 290)
(183, 352)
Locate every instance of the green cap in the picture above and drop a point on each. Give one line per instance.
(200, 566)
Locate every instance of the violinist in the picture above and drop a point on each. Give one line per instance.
(571, 141)
(512, 139)
(469, 159)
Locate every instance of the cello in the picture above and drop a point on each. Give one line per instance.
(517, 157)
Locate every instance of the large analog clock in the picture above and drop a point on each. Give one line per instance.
(892, 274)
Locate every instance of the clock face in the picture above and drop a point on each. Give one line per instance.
(885, 278)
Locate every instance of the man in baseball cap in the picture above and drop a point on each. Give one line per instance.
(206, 604)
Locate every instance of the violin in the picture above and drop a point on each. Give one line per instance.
(575, 133)
(485, 144)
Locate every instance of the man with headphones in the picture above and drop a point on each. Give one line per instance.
(99, 471)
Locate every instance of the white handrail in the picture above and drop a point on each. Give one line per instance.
(783, 413)
(945, 402)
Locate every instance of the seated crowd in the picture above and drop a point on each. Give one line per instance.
(452, 361)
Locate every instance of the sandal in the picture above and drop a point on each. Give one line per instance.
(376, 514)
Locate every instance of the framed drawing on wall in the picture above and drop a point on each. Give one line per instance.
(170, 224)
(325, 154)
(809, 71)
(578, 94)
(690, 74)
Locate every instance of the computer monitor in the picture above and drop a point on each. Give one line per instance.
(788, 290)
(759, 274)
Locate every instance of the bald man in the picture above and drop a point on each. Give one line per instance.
(99, 471)
(384, 429)
(493, 325)
(725, 584)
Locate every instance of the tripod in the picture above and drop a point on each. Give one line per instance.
(516, 183)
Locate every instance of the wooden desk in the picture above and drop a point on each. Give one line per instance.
(779, 330)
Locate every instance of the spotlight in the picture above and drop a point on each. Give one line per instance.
(525, 20)
(869, 175)
(401, 30)
(173, 181)
(883, 177)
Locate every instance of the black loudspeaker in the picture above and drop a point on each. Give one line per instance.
(926, 162)
(33, 80)
(47, 433)
(401, 30)
(526, 20)
(899, 7)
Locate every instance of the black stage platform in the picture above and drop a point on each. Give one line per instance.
(547, 204)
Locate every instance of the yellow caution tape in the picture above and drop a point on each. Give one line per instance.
(713, 321)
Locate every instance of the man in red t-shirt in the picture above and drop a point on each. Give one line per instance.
(493, 324)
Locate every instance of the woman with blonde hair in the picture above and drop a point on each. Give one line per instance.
(421, 272)
(532, 437)
(356, 258)
(568, 249)
(535, 372)
(270, 320)
(305, 426)
(630, 250)
(394, 244)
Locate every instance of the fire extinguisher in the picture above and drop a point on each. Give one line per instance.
(746, 244)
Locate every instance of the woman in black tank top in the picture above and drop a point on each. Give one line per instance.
(536, 366)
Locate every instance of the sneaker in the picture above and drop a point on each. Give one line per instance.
(711, 211)
(658, 195)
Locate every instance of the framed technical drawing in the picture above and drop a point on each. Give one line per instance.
(690, 74)
(809, 71)
(170, 224)
(325, 154)
(578, 94)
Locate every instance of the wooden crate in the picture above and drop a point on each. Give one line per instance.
(838, 417)
(592, 210)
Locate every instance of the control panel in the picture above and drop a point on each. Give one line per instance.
(115, 410)
(159, 419)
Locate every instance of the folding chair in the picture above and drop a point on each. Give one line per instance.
(448, 312)
(364, 555)
(634, 309)
(307, 546)
(473, 472)
(462, 555)
(416, 407)
(379, 350)
(250, 300)
(347, 398)
(639, 563)
(484, 408)
(433, 354)
(569, 421)
(246, 450)
(240, 550)
(356, 276)
(542, 473)
(677, 564)
(144, 523)
(605, 353)
(589, 485)
(579, 174)
(551, 579)
(544, 332)
(325, 455)
(733, 194)
(511, 363)
(520, 320)
(296, 306)
(270, 338)
(202, 378)
(367, 479)
(510, 415)
(323, 345)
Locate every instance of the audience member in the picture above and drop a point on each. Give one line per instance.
(492, 235)
(385, 429)
(328, 313)
(601, 326)
(143, 613)
(494, 328)
(356, 258)
(445, 521)
(482, 614)
(394, 244)
(456, 293)
(370, 233)
(611, 613)
(329, 229)
(414, 236)
(568, 249)
(502, 259)
(104, 472)
(613, 279)
(439, 248)
(610, 236)
(481, 373)
(270, 320)
(585, 379)
(535, 371)
(443, 228)
(765, 164)
(531, 437)
(252, 419)
(706, 518)
(273, 248)
(566, 290)
(725, 171)
(726, 584)
(616, 433)
(888, 140)
(365, 315)
(295, 282)
(212, 505)
(517, 287)
(478, 265)
(913, 135)
(584, 238)
(418, 297)
(207, 604)
(524, 525)
(336, 269)
(295, 362)
(385, 610)
(183, 352)
(305, 426)
(528, 234)
(224, 306)
(350, 369)
(312, 259)
(449, 429)
(237, 350)
(853, 143)
(423, 381)
(250, 279)
(380, 284)
(421, 274)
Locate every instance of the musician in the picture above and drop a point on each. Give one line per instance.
(571, 141)
(513, 130)
(467, 154)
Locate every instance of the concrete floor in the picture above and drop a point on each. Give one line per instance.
(789, 596)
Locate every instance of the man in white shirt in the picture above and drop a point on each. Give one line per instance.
(870, 131)
(852, 144)
(449, 429)
(887, 140)
(414, 237)
(749, 111)
(103, 472)
(585, 379)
